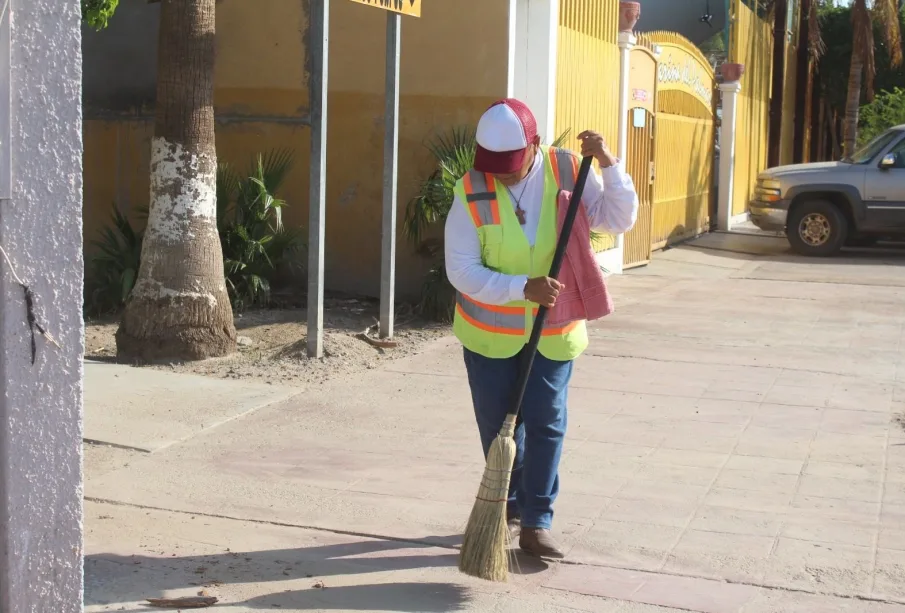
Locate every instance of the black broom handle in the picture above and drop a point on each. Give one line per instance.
(558, 256)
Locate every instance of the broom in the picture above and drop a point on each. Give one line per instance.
(485, 545)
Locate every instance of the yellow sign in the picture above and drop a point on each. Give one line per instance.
(406, 7)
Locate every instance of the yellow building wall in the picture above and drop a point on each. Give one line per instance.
(587, 79)
(262, 92)
(751, 44)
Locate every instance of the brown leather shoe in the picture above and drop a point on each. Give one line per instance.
(540, 543)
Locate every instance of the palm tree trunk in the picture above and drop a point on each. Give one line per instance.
(853, 103)
(179, 308)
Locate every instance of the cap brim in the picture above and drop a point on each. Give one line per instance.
(499, 162)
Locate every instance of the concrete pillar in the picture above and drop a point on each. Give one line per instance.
(730, 92)
(533, 31)
(514, 38)
(41, 233)
(627, 42)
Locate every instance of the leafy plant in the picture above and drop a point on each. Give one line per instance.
(257, 247)
(111, 273)
(714, 48)
(454, 153)
(97, 13)
(887, 110)
(426, 214)
(438, 297)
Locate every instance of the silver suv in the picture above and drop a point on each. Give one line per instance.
(826, 206)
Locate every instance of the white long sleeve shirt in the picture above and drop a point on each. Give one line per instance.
(611, 202)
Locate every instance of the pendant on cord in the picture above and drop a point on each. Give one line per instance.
(520, 214)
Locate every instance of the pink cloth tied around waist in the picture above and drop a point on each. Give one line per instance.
(585, 296)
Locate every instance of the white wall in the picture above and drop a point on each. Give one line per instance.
(41, 231)
(533, 60)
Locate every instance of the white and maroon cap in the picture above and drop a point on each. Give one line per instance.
(504, 133)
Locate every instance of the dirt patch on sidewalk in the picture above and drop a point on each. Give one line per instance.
(273, 344)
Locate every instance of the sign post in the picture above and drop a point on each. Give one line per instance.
(319, 46)
(390, 177)
(396, 8)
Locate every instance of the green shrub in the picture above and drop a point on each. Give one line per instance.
(257, 247)
(111, 273)
(887, 110)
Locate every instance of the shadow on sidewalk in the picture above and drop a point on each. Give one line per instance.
(401, 597)
(112, 579)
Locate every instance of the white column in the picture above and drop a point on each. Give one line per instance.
(612, 259)
(41, 233)
(730, 92)
(532, 54)
(627, 42)
(512, 50)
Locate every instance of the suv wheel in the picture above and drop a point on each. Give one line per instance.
(817, 228)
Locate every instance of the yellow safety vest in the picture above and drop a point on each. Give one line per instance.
(502, 331)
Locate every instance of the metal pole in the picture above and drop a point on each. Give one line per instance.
(390, 175)
(319, 49)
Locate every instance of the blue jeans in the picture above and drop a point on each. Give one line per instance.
(539, 436)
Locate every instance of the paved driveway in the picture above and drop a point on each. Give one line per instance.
(734, 446)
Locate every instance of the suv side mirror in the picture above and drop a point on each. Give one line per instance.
(888, 161)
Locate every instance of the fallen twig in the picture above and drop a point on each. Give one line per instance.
(188, 602)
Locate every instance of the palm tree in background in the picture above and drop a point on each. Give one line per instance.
(863, 68)
(180, 307)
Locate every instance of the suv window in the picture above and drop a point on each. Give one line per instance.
(873, 149)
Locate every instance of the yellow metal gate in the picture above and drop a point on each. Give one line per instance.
(640, 166)
(684, 150)
(670, 120)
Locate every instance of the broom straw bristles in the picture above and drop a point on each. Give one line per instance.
(485, 546)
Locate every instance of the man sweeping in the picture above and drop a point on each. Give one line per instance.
(500, 237)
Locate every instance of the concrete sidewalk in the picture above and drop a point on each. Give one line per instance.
(733, 447)
(148, 410)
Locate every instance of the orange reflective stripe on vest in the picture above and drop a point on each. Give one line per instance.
(498, 319)
(548, 331)
(501, 319)
(482, 201)
(565, 169)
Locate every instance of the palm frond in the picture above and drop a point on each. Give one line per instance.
(111, 272)
(562, 139)
(863, 43)
(886, 13)
(256, 244)
(815, 35)
(274, 168)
